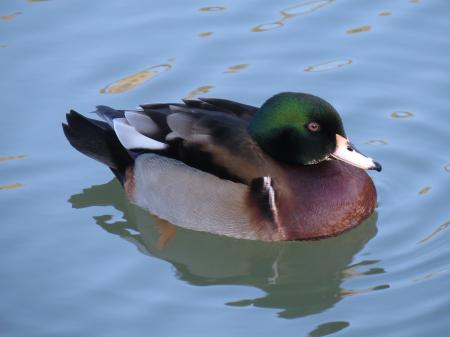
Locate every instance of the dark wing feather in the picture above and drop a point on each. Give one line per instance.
(241, 110)
(208, 134)
(219, 143)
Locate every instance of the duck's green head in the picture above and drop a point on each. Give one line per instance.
(299, 128)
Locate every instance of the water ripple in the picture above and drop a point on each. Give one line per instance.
(129, 82)
(7, 158)
(11, 186)
(402, 114)
(424, 190)
(353, 270)
(212, 9)
(203, 89)
(236, 68)
(435, 232)
(431, 275)
(205, 34)
(361, 29)
(268, 26)
(329, 65)
(10, 17)
(377, 142)
(303, 8)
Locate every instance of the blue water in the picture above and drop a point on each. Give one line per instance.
(77, 259)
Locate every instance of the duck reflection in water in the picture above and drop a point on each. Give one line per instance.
(299, 278)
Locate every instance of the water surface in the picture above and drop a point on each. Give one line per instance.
(78, 259)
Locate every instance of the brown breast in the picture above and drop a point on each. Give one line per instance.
(323, 200)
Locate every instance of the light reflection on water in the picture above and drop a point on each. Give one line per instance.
(236, 68)
(361, 29)
(129, 82)
(303, 8)
(7, 158)
(329, 65)
(10, 17)
(402, 114)
(205, 34)
(11, 186)
(203, 89)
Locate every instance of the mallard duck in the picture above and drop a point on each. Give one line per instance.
(284, 171)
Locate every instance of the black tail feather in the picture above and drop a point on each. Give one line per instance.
(97, 140)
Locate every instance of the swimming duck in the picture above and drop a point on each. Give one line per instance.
(284, 171)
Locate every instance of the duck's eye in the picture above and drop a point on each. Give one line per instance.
(313, 126)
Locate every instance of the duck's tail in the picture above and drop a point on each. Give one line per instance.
(97, 140)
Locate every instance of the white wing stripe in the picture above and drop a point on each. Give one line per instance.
(130, 138)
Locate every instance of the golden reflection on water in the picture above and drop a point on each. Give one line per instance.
(212, 9)
(235, 68)
(203, 89)
(402, 114)
(376, 142)
(361, 29)
(327, 66)
(303, 8)
(11, 186)
(7, 158)
(424, 190)
(385, 13)
(435, 232)
(10, 17)
(205, 34)
(131, 81)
